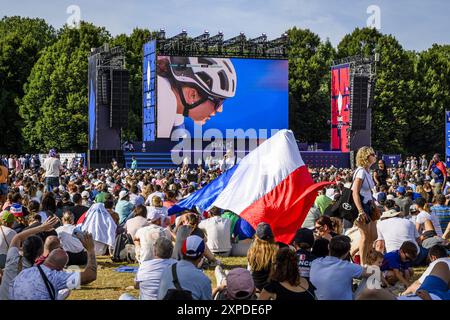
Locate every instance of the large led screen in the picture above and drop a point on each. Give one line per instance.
(196, 94)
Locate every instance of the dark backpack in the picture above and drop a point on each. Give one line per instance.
(122, 239)
(178, 293)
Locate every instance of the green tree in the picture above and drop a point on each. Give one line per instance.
(54, 107)
(133, 46)
(309, 90)
(21, 44)
(432, 98)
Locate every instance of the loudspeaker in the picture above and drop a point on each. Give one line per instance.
(104, 87)
(359, 103)
(120, 100)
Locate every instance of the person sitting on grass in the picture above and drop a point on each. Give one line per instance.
(396, 265)
(436, 254)
(436, 286)
(44, 282)
(190, 278)
(285, 282)
(149, 273)
(237, 284)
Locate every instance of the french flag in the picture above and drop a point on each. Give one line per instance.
(271, 184)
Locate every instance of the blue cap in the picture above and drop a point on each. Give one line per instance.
(401, 190)
(381, 198)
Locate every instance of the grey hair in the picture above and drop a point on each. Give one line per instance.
(163, 248)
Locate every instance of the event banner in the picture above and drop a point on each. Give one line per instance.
(340, 107)
(219, 96)
(149, 91)
(447, 138)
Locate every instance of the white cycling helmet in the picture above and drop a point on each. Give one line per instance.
(216, 77)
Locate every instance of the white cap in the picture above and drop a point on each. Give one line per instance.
(85, 194)
(123, 194)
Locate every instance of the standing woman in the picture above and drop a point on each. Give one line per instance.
(363, 198)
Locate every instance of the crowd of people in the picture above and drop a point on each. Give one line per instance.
(55, 215)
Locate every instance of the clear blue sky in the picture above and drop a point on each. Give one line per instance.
(417, 24)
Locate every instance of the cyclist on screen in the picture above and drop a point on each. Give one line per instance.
(192, 87)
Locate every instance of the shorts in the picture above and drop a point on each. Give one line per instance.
(437, 286)
(3, 189)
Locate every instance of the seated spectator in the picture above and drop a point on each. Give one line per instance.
(324, 228)
(218, 233)
(139, 221)
(51, 243)
(145, 237)
(436, 254)
(261, 255)
(78, 209)
(393, 231)
(86, 199)
(70, 243)
(123, 206)
(285, 282)
(99, 223)
(157, 206)
(425, 217)
(313, 214)
(6, 236)
(236, 285)
(149, 273)
(42, 282)
(441, 211)
(303, 243)
(190, 278)
(323, 201)
(32, 247)
(135, 198)
(332, 275)
(109, 205)
(435, 287)
(397, 264)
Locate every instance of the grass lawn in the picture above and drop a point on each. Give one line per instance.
(111, 284)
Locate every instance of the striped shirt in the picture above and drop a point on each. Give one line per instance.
(443, 215)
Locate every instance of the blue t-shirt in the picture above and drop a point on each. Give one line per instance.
(392, 261)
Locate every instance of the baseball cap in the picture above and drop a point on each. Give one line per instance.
(193, 247)
(85, 195)
(413, 208)
(123, 194)
(401, 190)
(240, 284)
(16, 210)
(304, 235)
(381, 198)
(7, 217)
(264, 231)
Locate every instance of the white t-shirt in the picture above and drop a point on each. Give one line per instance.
(367, 184)
(134, 224)
(150, 197)
(218, 233)
(424, 216)
(167, 109)
(51, 166)
(395, 231)
(149, 277)
(68, 241)
(147, 237)
(431, 266)
(332, 278)
(9, 235)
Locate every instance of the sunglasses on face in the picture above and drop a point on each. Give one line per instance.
(217, 102)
